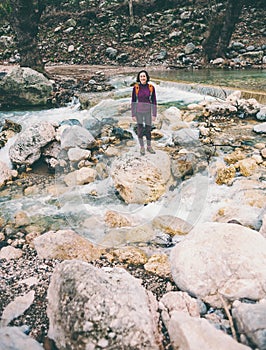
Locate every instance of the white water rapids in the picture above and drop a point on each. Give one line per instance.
(194, 200)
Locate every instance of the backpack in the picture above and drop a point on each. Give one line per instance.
(151, 88)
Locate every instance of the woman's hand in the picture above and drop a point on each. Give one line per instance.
(134, 118)
(153, 118)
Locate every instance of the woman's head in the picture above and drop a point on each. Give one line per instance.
(143, 77)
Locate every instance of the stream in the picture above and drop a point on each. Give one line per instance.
(196, 199)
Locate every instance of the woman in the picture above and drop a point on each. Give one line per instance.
(144, 109)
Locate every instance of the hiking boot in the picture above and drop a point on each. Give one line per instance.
(142, 151)
(151, 150)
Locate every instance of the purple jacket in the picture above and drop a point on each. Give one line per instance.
(145, 102)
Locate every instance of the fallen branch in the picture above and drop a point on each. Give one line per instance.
(230, 319)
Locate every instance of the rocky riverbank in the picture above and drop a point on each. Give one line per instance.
(192, 279)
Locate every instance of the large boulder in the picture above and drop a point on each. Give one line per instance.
(30, 142)
(221, 261)
(142, 179)
(98, 308)
(24, 87)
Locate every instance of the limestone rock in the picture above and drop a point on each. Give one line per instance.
(171, 225)
(65, 244)
(23, 86)
(159, 265)
(221, 259)
(141, 179)
(29, 143)
(115, 219)
(247, 166)
(109, 308)
(192, 333)
(76, 136)
(80, 177)
(13, 338)
(6, 174)
(225, 175)
(10, 252)
(17, 307)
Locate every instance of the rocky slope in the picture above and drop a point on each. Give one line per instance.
(172, 37)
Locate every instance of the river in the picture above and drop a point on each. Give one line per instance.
(196, 199)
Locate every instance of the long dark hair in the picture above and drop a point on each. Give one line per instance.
(147, 75)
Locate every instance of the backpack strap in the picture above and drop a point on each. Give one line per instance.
(151, 88)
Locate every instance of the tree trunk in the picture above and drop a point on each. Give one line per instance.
(131, 15)
(221, 29)
(25, 21)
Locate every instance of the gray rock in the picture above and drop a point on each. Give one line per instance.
(251, 321)
(25, 87)
(100, 308)
(189, 48)
(76, 136)
(29, 143)
(111, 52)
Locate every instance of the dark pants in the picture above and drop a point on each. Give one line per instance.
(144, 124)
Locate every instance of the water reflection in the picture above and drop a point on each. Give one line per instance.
(240, 79)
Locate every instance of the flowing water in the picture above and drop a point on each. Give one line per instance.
(195, 199)
(219, 82)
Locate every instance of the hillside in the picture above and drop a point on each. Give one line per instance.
(169, 36)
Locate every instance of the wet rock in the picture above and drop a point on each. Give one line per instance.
(244, 214)
(186, 137)
(6, 174)
(247, 166)
(117, 237)
(234, 157)
(260, 128)
(77, 154)
(225, 175)
(29, 143)
(141, 180)
(171, 225)
(76, 136)
(129, 255)
(261, 115)
(184, 164)
(80, 177)
(115, 219)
